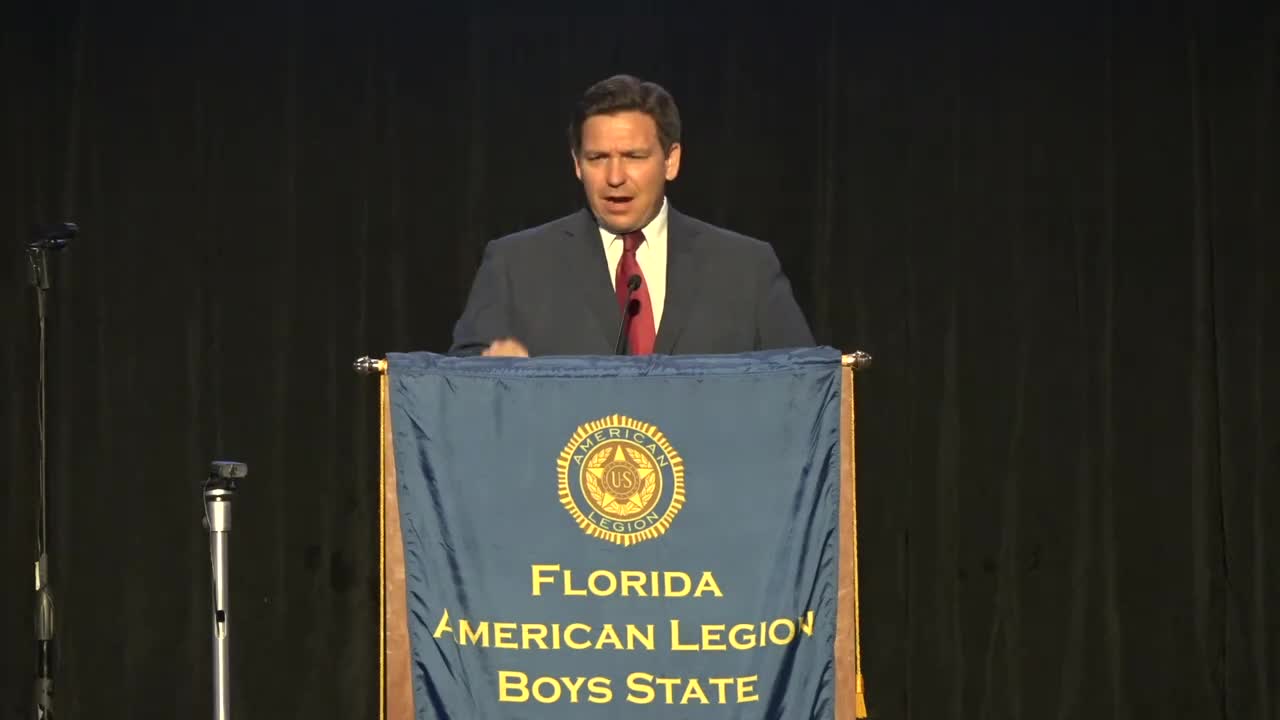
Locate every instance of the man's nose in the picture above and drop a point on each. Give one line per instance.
(614, 174)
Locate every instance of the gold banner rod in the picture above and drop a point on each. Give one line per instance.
(378, 366)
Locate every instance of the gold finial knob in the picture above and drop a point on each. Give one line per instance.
(857, 360)
(369, 366)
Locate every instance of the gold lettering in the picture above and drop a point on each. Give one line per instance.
(645, 638)
(689, 689)
(675, 638)
(741, 637)
(642, 691)
(632, 580)
(555, 636)
(636, 683)
(479, 637)
(745, 687)
(668, 590)
(533, 634)
(615, 432)
(773, 631)
(806, 623)
(608, 635)
(443, 626)
(609, 589)
(720, 684)
(712, 637)
(515, 687)
(669, 684)
(539, 571)
(508, 680)
(555, 685)
(573, 687)
(568, 636)
(628, 583)
(600, 691)
(502, 634)
(568, 585)
(708, 584)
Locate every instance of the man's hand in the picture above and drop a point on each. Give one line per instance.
(506, 347)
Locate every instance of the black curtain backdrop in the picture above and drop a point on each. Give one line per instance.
(1054, 227)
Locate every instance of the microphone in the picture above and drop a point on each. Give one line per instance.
(54, 236)
(628, 309)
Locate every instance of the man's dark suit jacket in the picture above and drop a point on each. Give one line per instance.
(550, 288)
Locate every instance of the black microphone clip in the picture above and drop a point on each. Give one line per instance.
(54, 236)
(629, 308)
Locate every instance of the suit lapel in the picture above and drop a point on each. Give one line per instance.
(589, 271)
(683, 271)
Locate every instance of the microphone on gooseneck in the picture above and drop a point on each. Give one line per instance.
(629, 308)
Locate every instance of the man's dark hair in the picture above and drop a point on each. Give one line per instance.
(621, 93)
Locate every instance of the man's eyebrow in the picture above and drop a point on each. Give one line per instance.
(624, 151)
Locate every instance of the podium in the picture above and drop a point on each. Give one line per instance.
(619, 537)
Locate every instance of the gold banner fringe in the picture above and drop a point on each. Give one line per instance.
(861, 695)
(382, 547)
(849, 552)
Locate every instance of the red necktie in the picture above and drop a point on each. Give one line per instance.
(640, 332)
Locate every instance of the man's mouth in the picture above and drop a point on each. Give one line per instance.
(618, 202)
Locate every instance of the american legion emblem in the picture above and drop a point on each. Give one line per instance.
(621, 480)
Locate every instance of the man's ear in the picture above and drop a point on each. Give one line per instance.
(577, 168)
(673, 162)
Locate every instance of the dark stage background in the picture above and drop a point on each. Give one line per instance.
(1055, 229)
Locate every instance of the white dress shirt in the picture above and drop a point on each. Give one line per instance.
(651, 256)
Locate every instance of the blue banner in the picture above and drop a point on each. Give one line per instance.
(632, 537)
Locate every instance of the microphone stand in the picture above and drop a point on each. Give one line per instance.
(219, 488)
(38, 277)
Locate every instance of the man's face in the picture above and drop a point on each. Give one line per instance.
(623, 169)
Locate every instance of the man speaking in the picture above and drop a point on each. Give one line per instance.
(629, 273)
